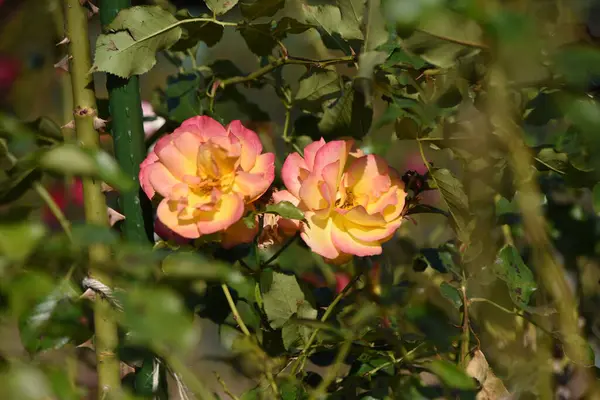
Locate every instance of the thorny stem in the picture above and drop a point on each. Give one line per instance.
(106, 339)
(299, 363)
(127, 130)
(234, 310)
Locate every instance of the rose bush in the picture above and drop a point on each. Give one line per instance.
(208, 175)
(352, 202)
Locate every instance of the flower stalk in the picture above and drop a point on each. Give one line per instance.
(85, 111)
(127, 130)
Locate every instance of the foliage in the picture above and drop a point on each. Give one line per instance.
(500, 106)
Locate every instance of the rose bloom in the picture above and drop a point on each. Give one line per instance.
(207, 175)
(352, 202)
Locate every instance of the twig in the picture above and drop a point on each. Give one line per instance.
(280, 250)
(54, 209)
(106, 339)
(234, 310)
(465, 337)
(225, 388)
(393, 362)
(517, 313)
(289, 60)
(332, 371)
(304, 353)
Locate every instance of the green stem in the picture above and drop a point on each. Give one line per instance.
(281, 250)
(304, 353)
(287, 60)
(466, 331)
(234, 310)
(106, 339)
(195, 386)
(125, 106)
(517, 313)
(332, 371)
(54, 208)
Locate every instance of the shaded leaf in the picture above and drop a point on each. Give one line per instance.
(345, 18)
(157, 317)
(70, 159)
(349, 116)
(253, 9)
(282, 297)
(316, 86)
(509, 267)
(285, 209)
(452, 375)
(221, 6)
(451, 293)
(18, 238)
(296, 335)
(183, 95)
(207, 32)
(136, 35)
(456, 199)
(259, 38)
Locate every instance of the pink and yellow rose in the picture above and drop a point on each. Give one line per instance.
(352, 202)
(208, 175)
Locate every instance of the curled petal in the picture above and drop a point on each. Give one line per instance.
(187, 143)
(174, 160)
(369, 176)
(310, 152)
(169, 215)
(159, 179)
(331, 152)
(293, 173)
(345, 243)
(372, 233)
(317, 235)
(229, 210)
(252, 186)
(311, 194)
(203, 126)
(251, 145)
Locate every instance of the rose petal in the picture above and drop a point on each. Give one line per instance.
(229, 210)
(317, 235)
(293, 173)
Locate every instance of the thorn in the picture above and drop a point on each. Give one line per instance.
(63, 63)
(114, 216)
(99, 124)
(105, 188)
(66, 40)
(69, 125)
(94, 8)
(88, 294)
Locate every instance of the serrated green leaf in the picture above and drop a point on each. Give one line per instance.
(451, 293)
(253, 9)
(295, 335)
(208, 32)
(317, 85)
(452, 375)
(285, 209)
(344, 18)
(220, 6)
(509, 267)
(259, 38)
(282, 297)
(349, 116)
(184, 94)
(136, 35)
